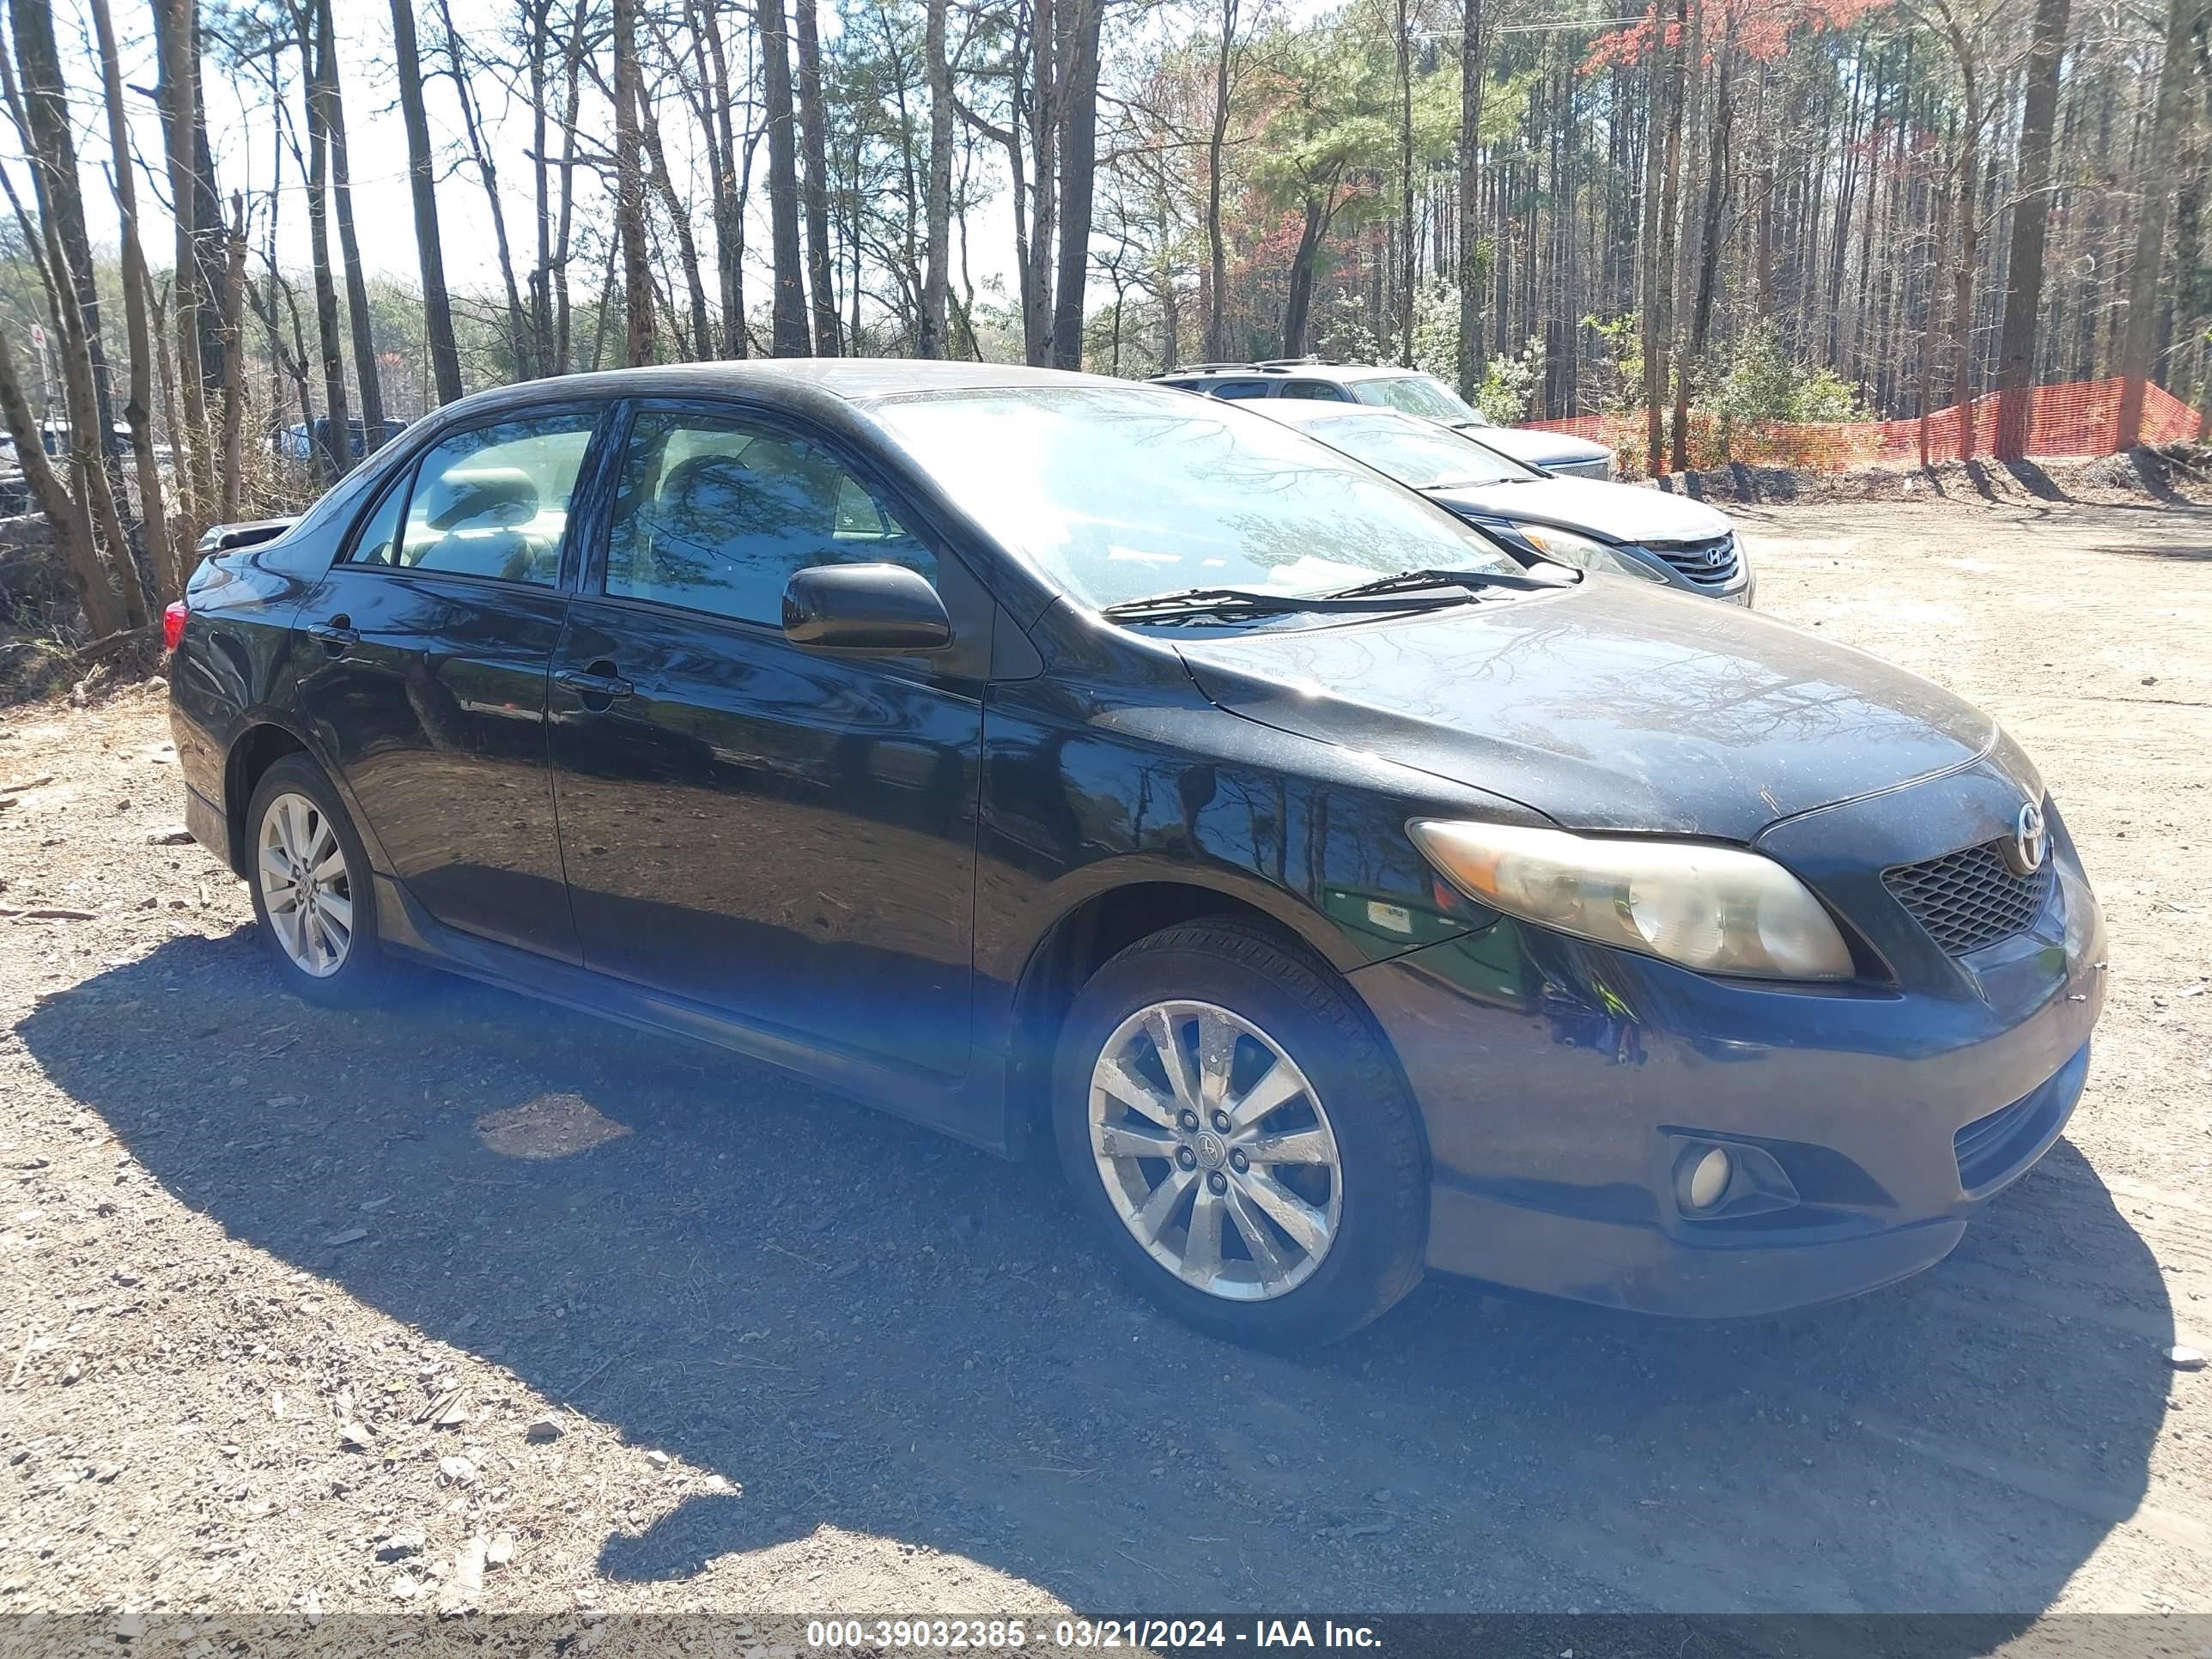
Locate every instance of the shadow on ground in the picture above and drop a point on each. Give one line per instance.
(869, 1327)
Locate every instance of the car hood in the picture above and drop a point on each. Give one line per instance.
(1537, 448)
(1606, 706)
(1615, 511)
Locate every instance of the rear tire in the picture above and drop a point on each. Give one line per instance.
(1269, 1186)
(314, 896)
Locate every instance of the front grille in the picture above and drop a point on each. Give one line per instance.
(1970, 898)
(1709, 563)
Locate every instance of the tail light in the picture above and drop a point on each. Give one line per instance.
(172, 623)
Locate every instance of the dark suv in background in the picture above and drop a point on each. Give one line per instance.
(1408, 390)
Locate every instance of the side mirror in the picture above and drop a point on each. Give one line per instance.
(864, 607)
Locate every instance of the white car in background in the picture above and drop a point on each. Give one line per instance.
(1623, 529)
(1306, 380)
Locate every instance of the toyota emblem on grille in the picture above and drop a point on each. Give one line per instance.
(2029, 842)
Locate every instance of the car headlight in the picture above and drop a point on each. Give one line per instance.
(1717, 909)
(1583, 552)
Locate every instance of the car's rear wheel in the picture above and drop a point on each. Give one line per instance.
(311, 891)
(1251, 1152)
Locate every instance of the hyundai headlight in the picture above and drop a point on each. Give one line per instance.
(1717, 909)
(1584, 552)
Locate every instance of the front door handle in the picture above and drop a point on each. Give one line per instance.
(336, 633)
(596, 686)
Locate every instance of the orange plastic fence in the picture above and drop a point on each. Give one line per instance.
(2082, 417)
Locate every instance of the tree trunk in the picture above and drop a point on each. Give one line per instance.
(1217, 298)
(1078, 159)
(1297, 305)
(630, 209)
(1970, 241)
(1709, 224)
(1474, 73)
(821, 286)
(2139, 340)
(422, 184)
(936, 283)
(729, 221)
(2031, 219)
(137, 410)
(358, 315)
(45, 101)
(1407, 261)
(788, 328)
(1046, 25)
(337, 435)
(233, 363)
(520, 342)
(679, 215)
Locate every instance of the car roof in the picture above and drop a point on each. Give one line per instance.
(847, 379)
(1302, 368)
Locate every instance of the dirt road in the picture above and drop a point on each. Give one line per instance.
(282, 1292)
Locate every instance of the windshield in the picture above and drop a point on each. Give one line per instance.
(1417, 394)
(1417, 454)
(1118, 494)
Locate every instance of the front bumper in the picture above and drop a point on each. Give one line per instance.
(1559, 1083)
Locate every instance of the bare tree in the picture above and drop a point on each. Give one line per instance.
(422, 185)
(1228, 51)
(2031, 220)
(1079, 162)
(937, 239)
(821, 285)
(1474, 73)
(366, 373)
(137, 409)
(177, 35)
(787, 325)
(637, 276)
(2139, 341)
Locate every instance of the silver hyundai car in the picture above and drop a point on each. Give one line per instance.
(1622, 528)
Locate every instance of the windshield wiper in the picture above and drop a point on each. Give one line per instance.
(1247, 602)
(1413, 580)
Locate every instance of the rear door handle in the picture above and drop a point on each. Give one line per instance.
(589, 683)
(336, 633)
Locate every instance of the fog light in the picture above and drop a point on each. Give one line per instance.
(1705, 1177)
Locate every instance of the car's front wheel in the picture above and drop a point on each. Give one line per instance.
(311, 891)
(1252, 1155)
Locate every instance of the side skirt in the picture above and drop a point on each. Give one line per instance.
(973, 1109)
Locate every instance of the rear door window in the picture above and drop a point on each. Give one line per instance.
(1237, 390)
(1317, 391)
(493, 501)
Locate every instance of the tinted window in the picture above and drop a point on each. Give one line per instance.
(495, 501)
(1119, 493)
(1415, 452)
(1236, 389)
(715, 515)
(377, 542)
(1317, 391)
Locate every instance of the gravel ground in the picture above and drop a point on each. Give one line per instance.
(475, 1304)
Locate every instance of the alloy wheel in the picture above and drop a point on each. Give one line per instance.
(1215, 1150)
(305, 887)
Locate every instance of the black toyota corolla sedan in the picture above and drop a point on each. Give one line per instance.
(1045, 757)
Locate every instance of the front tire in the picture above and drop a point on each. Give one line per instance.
(1255, 1160)
(314, 897)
